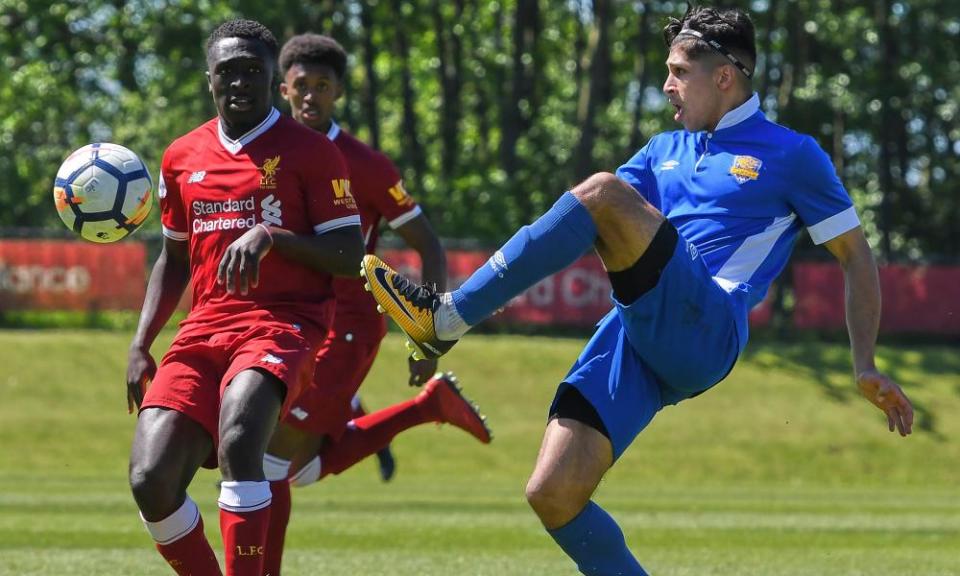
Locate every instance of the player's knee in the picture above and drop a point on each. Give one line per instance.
(608, 197)
(154, 489)
(595, 192)
(236, 458)
(555, 500)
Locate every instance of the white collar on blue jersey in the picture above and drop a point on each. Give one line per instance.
(740, 113)
(334, 130)
(234, 146)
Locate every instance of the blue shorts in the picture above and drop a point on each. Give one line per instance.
(675, 341)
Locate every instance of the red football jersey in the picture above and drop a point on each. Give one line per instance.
(378, 190)
(214, 189)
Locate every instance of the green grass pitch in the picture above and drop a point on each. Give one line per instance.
(782, 470)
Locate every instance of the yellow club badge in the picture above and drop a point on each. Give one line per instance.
(745, 168)
(268, 173)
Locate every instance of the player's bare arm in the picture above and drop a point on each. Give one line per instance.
(168, 280)
(336, 252)
(863, 320)
(419, 235)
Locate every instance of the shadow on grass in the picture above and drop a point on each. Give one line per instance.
(828, 365)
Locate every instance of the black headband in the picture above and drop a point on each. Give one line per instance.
(719, 48)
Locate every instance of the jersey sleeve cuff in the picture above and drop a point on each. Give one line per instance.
(405, 217)
(329, 225)
(174, 235)
(828, 229)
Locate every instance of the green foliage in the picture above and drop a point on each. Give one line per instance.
(492, 108)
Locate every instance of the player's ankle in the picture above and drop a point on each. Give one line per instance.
(447, 322)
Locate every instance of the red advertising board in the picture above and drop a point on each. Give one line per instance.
(921, 299)
(71, 275)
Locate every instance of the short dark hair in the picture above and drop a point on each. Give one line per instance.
(314, 49)
(248, 29)
(730, 27)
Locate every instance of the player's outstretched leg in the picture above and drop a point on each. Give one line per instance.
(434, 322)
(440, 401)
(386, 463)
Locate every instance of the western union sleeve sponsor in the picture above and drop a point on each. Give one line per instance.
(341, 193)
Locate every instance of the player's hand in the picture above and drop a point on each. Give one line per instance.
(239, 269)
(141, 368)
(887, 396)
(421, 371)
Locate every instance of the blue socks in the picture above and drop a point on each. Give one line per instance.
(536, 251)
(595, 542)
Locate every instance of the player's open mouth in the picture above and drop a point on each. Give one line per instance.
(310, 113)
(240, 102)
(678, 110)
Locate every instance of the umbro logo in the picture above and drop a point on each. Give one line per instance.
(197, 177)
(299, 413)
(499, 263)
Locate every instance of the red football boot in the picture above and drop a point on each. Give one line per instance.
(442, 400)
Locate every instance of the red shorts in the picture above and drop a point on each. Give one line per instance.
(323, 406)
(196, 370)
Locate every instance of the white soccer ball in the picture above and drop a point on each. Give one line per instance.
(103, 192)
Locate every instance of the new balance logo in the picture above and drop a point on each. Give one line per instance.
(271, 210)
(197, 177)
(271, 359)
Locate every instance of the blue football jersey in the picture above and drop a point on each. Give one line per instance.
(740, 195)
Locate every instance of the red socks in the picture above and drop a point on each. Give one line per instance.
(277, 531)
(368, 434)
(182, 543)
(244, 519)
(191, 555)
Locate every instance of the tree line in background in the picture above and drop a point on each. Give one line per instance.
(492, 108)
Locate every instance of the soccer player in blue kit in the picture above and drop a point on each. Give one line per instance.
(692, 230)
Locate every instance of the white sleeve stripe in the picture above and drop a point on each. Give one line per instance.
(834, 226)
(174, 235)
(405, 217)
(329, 225)
(753, 252)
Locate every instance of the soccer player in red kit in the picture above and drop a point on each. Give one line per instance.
(257, 211)
(314, 438)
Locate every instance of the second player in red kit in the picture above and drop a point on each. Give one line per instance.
(257, 213)
(318, 434)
